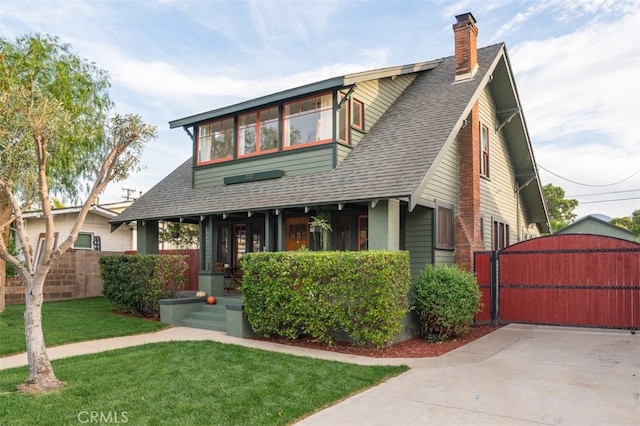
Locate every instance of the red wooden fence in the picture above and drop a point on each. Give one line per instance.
(483, 275)
(575, 280)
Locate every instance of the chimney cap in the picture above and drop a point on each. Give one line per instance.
(465, 17)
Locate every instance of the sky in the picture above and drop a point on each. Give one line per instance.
(576, 65)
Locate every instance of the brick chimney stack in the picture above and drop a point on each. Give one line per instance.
(466, 46)
(468, 235)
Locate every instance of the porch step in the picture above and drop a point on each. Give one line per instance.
(211, 317)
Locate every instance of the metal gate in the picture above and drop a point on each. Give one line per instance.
(573, 280)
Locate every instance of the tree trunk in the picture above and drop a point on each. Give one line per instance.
(5, 216)
(41, 376)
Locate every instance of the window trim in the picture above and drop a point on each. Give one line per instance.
(234, 143)
(285, 146)
(500, 234)
(361, 228)
(449, 242)
(485, 154)
(258, 128)
(357, 112)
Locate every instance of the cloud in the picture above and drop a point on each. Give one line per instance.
(582, 82)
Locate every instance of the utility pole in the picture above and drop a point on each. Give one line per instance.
(129, 192)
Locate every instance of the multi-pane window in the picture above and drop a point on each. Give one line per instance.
(357, 115)
(308, 120)
(444, 228)
(484, 150)
(258, 132)
(215, 141)
(500, 235)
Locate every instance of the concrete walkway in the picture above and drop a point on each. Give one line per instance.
(517, 375)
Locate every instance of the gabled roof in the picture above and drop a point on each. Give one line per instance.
(98, 210)
(621, 232)
(391, 161)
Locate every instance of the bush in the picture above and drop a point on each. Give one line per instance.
(362, 294)
(446, 300)
(135, 283)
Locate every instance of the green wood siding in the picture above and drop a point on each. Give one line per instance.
(293, 163)
(497, 193)
(378, 96)
(419, 238)
(443, 185)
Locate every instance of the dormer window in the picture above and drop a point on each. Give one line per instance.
(215, 141)
(258, 132)
(308, 121)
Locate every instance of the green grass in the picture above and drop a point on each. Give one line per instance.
(187, 383)
(70, 321)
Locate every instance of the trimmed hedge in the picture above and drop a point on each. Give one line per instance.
(446, 300)
(136, 283)
(319, 294)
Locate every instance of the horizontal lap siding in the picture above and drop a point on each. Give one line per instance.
(497, 195)
(419, 238)
(443, 185)
(303, 161)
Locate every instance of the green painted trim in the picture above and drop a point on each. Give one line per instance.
(252, 177)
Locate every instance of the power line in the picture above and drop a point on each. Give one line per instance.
(607, 201)
(603, 193)
(587, 184)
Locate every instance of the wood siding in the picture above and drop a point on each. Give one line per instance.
(117, 241)
(443, 186)
(378, 96)
(419, 238)
(294, 163)
(497, 192)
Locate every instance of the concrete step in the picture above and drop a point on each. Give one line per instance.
(207, 325)
(213, 316)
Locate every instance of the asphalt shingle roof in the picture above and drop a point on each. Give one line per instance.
(391, 160)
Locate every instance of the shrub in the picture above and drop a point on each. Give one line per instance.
(363, 294)
(136, 283)
(446, 300)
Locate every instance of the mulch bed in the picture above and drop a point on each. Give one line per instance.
(414, 348)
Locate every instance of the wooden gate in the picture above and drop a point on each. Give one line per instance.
(573, 280)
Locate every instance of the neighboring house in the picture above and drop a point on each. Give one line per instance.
(95, 233)
(597, 225)
(432, 157)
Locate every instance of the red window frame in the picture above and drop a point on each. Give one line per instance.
(484, 150)
(363, 232)
(229, 157)
(357, 115)
(286, 145)
(444, 231)
(258, 128)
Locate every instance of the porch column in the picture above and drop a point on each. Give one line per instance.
(384, 225)
(148, 237)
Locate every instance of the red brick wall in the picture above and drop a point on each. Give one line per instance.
(75, 275)
(467, 227)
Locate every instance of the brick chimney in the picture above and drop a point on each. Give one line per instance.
(466, 46)
(468, 235)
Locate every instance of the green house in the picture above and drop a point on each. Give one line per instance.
(431, 157)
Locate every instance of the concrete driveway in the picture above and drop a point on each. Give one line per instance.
(517, 375)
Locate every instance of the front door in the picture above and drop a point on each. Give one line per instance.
(296, 233)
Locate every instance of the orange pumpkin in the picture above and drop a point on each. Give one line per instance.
(211, 300)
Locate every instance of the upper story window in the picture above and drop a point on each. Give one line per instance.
(484, 150)
(258, 132)
(308, 121)
(215, 141)
(357, 115)
(84, 241)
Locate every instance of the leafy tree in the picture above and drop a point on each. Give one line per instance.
(630, 223)
(181, 235)
(560, 208)
(55, 138)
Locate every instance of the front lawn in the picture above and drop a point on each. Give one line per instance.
(188, 383)
(71, 321)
